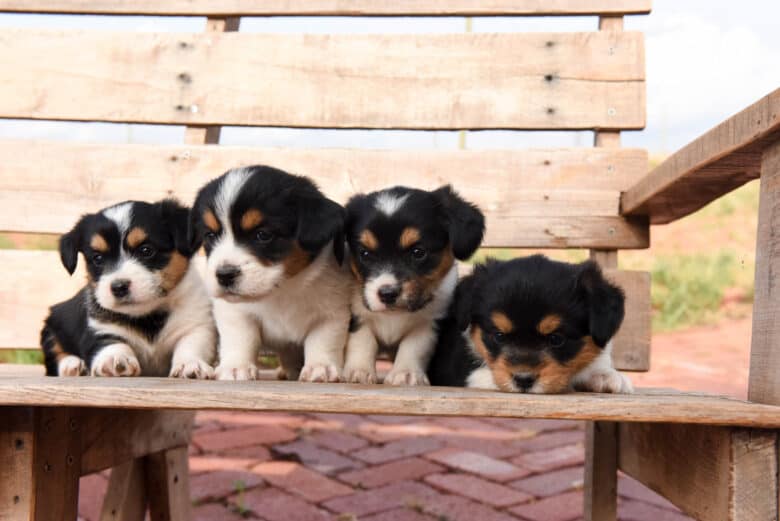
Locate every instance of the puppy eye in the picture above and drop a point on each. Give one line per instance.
(418, 253)
(498, 337)
(263, 236)
(556, 340)
(210, 237)
(364, 253)
(97, 260)
(146, 251)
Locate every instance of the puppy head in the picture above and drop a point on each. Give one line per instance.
(535, 322)
(261, 226)
(404, 241)
(136, 253)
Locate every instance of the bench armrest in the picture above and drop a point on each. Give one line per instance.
(719, 161)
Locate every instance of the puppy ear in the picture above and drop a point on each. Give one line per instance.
(177, 217)
(356, 206)
(70, 245)
(606, 303)
(466, 222)
(461, 302)
(320, 221)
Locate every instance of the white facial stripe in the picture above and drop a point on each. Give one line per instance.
(228, 191)
(372, 288)
(145, 292)
(388, 203)
(121, 214)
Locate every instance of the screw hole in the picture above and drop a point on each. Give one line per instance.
(550, 43)
(550, 110)
(549, 77)
(18, 444)
(185, 78)
(176, 478)
(547, 162)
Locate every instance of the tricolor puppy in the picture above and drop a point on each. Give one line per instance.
(144, 310)
(532, 325)
(403, 245)
(275, 247)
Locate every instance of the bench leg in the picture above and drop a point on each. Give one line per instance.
(601, 471)
(126, 495)
(168, 485)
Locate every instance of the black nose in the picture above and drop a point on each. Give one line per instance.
(388, 294)
(227, 275)
(524, 381)
(120, 288)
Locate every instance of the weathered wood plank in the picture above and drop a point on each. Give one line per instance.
(600, 471)
(764, 383)
(16, 462)
(713, 474)
(331, 7)
(168, 485)
(724, 158)
(453, 81)
(631, 345)
(646, 405)
(126, 495)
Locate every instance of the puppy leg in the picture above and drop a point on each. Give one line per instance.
(116, 360)
(601, 377)
(411, 361)
(360, 367)
(323, 354)
(194, 354)
(239, 340)
(71, 365)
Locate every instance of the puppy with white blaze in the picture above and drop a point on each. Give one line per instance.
(144, 310)
(275, 247)
(403, 245)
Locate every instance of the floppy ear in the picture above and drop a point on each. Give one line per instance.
(178, 218)
(70, 245)
(321, 220)
(466, 222)
(606, 303)
(461, 302)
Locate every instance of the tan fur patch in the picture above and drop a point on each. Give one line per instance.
(479, 345)
(354, 268)
(174, 271)
(58, 352)
(502, 322)
(251, 219)
(369, 240)
(99, 243)
(136, 237)
(409, 237)
(296, 261)
(548, 324)
(427, 284)
(210, 220)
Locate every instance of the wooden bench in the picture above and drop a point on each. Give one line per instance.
(714, 457)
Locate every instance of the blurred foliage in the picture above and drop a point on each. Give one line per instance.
(20, 356)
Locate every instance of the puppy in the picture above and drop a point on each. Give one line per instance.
(144, 310)
(531, 325)
(275, 247)
(403, 245)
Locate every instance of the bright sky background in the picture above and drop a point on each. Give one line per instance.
(706, 59)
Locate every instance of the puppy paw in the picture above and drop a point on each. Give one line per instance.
(359, 375)
(406, 377)
(320, 373)
(608, 382)
(192, 369)
(236, 372)
(71, 366)
(113, 363)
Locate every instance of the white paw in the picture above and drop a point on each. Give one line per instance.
(608, 382)
(237, 372)
(193, 369)
(113, 363)
(406, 377)
(320, 373)
(71, 366)
(359, 375)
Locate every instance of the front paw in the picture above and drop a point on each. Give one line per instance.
(192, 369)
(608, 382)
(320, 373)
(71, 366)
(359, 375)
(406, 377)
(115, 364)
(237, 372)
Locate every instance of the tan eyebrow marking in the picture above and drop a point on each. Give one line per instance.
(409, 237)
(549, 324)
(502, 322)
(251, 219)
(136, 237)
(99, 243)
(368, 239)
(210, 220)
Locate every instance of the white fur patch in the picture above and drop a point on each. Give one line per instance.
(371, 290)
(388, 203)
(71, 365)
(481, 378)
(228, 191)
(145, 292)
(121, 214)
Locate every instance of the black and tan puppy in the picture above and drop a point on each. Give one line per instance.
(403, 245)
(531, 325)
(144, 310)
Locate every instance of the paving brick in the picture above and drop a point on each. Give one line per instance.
(258, 453)
(552, 440)
(630, 488)
(344, 421)
(261, 435)
(457, 508)
(273, 504)
(478, 489)
(92, 490)
(213, 486)
(395, 495)
(379, 418)
(493, 448)
(397, 450)
(322, 460)
(400, 470)
(201, 464)
(479, 464)
(399, 514)
(551, 483)
(383, 433)
(536, 425)
(552, 459)
(233, 419)
(467, 424)
(299, 480)
(338, 441)
(639, 511)
(563, 507)
(216, 512)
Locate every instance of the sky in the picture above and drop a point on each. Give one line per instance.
(706, 60)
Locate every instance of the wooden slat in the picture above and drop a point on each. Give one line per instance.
(631, 345)
(126, 495)
(168, 485)
(452, 81)
(724, 158)
(600, 491)
(331, 7)
(713, 474)
(646, 405)
(16, 460)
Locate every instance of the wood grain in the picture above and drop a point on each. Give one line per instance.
(126, 495)
(711, 473)
(331, 7)
(56, 463)
(600, 491)
(168, 485)
(719, 161)
(646, 405)
(16, 462)
(452, 81)
(631, 344)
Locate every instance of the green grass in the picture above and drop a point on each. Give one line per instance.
(20, 356)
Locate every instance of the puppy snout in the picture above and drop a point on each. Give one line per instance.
(524, 381)
(227, 275)
(389, 293)
(120, 288)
